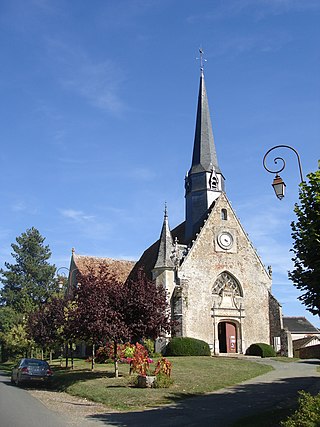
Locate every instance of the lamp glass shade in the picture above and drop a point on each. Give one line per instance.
(279, 187)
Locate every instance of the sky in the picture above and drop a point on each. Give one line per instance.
(97, 110)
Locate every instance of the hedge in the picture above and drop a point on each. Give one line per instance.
(261, 349)
(182, 346)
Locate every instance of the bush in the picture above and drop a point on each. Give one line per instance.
(307, 414)
(149, 345)
(261, 349)
(162, 381)
(187, 347)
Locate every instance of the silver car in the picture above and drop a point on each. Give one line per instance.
(31, 370)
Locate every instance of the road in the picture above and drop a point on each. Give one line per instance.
(19, 409)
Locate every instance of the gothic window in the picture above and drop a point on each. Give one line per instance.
(227, 283)
(224, 214)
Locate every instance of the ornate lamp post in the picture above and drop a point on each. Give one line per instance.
(278, 183)
(61, 276)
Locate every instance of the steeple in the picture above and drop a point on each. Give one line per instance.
(204, 182)
(204, 152)
(164, 259)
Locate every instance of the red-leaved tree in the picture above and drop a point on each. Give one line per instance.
(108, 310)
(44, 325)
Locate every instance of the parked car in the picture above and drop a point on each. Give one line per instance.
(31, 370)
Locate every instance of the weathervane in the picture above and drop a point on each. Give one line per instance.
(202, 59)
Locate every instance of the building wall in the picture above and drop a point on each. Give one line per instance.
(202, 266)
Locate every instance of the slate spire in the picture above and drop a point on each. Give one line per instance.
(204, 151)
(164, 259)
(204, 182)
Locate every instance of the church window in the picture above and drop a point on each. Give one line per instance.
(226, 283)
(224, 214)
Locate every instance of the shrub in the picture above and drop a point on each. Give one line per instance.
(261, 349)
(162, 381)
(149, 345)
(187, 347)
(307, 414)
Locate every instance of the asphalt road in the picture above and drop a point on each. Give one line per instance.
(19, 409)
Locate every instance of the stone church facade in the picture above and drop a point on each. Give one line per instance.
(218, 287)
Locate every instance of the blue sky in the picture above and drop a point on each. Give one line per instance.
(98, 103)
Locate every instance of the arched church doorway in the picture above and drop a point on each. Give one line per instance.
(227, 337)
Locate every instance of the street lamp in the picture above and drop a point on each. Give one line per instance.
(62, 275)
(278, 183)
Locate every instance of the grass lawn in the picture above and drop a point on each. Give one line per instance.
(191, 375)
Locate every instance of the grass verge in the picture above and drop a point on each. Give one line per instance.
(192, 376)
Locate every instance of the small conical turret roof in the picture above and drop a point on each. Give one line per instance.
(164, 259)
(204, 152)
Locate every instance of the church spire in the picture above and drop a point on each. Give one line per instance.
(164, 259)
(204, 181)
(204, 152)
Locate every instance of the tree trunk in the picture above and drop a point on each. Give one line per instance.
(116, 368)
(93, 356)
(71, 353)
(50, 357)
(67, 355)
(41, 353)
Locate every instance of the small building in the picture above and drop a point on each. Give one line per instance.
(302, 343)
(300, 327)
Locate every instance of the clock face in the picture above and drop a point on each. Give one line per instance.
(225, 240)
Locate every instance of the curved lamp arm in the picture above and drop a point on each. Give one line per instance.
(278, 184)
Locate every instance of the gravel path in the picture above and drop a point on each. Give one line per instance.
(77, 410)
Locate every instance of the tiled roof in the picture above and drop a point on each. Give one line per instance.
(299, 325)
(120, 268)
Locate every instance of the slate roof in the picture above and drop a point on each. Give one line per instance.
(149, 256)
(299, 325)
(204, 151)
(120, 268)
(165, 246)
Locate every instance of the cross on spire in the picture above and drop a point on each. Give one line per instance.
(202, 59)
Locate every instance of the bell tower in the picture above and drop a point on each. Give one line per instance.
(204, 182)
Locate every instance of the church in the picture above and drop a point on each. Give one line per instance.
(218, 287)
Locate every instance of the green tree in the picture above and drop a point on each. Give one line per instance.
(9, 319)
(30, 280)
(306, 247)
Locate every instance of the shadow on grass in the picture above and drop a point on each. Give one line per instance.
(63, 379)
(225, 408)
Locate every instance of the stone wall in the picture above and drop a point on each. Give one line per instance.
(202, 266)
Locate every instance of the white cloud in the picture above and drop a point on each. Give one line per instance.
(75, 215)
(21, 206)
